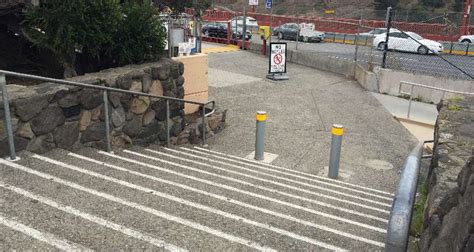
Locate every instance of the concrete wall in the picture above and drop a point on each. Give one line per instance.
(388, 82)
(196, 86)
(379, 80)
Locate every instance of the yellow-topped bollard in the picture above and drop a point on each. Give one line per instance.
(337, 132)
(260, 134)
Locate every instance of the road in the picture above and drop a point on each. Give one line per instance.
(425, 64)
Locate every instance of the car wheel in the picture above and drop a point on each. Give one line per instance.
(305, 39)
(206, 33)
(381, 46)
(280, 35)
(466, 41)
(423, 50)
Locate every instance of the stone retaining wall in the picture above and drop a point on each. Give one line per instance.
(50, 115)
(449, 212)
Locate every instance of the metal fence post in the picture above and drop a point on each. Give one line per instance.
(8, 120)
(107, 121)
(260, 135)
(389, 25)
(167, 123)
(467, 48)
(335, 154)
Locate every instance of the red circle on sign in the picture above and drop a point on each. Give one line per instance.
(277, 59)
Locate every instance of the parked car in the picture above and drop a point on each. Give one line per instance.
(219, 30)
(215, 30)
(408, 42)
(251, 23)
(466, 39)
(292, 31)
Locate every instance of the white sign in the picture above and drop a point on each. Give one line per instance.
(277, 58)
(253, 2)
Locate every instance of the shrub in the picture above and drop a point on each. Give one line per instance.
(90, 35)
(141, 35)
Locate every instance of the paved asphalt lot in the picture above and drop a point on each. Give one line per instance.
(190, 198)
(411, 62)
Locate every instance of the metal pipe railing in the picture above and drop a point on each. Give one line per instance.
(413, 85)
(402, 207)
(106, 90)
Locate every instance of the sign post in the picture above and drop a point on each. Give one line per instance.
(277, 62)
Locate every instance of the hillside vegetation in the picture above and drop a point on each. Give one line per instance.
(413, 10)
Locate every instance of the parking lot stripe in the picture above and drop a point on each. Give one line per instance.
(102, 222)
(294, 171)
(42, 236)
(240, 203)
(143, 208)
(250, 176)
(276, 171)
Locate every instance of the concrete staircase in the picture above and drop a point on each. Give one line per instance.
(181, 199)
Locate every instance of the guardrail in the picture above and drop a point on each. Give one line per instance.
(413, 85)
(8, 123)
(402, 207)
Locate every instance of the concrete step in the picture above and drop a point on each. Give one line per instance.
(315, 190)
(195, 199)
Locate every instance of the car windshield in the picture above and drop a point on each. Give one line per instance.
(415, 36)
(378, 31)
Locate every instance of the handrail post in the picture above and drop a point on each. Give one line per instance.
(167, 123)
(8, 120)
(204, 126)
(107, 121)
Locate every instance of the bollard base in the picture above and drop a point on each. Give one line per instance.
(13, 160)
(267, 157)
(277, 77)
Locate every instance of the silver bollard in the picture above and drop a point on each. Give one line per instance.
(335, 154)
(260, 135)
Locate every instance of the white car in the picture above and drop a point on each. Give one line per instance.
(408, 42)
(251, 23)
(466, 39)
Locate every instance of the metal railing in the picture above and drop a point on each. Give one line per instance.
(413, 85)
(106, 90)
(402, 207)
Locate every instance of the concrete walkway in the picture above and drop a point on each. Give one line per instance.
(420, 111)
(301, 112)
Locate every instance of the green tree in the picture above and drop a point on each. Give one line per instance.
(70, 26)
(384, 4)
(141, 34)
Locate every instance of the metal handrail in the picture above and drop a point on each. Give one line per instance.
(402, 207)
(105, 89)
(413, 85)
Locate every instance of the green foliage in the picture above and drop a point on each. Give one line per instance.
(141, 35)
(417, 220)
(384, 4)
(100, 33)
(433, 3)
(66, 26)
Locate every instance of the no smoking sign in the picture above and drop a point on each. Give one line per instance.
(277, 58)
